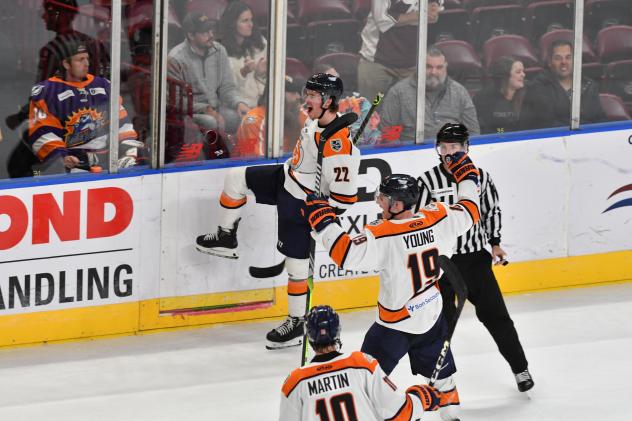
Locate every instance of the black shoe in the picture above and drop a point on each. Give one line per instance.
(524, 380)
(222, 243)
(290, 333)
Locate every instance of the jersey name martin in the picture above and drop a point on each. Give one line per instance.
(327, 384)
(418, 239)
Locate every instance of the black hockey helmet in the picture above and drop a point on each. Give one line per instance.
(455, 133)
(401, 187)
(329, 86)
(323, 326)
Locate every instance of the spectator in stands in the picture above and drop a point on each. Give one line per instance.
(447, 101)
(499, 105)
(547, 102)
(203, 63)
(353, 102)
(68, 118)
(251, 135)
(58, 16)
(247, 50)
(389, 39)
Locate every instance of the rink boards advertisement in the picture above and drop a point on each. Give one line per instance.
(117, 254)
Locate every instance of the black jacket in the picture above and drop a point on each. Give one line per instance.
(547, 104)
(495, 113)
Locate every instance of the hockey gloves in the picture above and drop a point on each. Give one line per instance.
(318, 211)
(428, 395)
(461, 167)
(128, 152)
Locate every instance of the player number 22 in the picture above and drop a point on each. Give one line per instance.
(336, 404)
(429, 259)
(342, 173)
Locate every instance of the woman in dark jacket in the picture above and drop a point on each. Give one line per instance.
(498, 106)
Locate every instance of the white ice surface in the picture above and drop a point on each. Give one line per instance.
(578, 342)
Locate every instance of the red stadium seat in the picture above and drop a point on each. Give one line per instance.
(593, 71)
(360, 9)
(615, 43)
(311, 11)
(588, 54)
(329, 36)
(601, 14)
(452, 24)
(346, 64)
(464, 64)
(614, 107)
(509, 45)
(473, 4)
(296, 68)
(618, 80)
(487, 22)
(211, 8)
(544, 16)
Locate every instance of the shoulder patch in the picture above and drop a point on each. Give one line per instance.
(431, 207)
(36, 90)
(65, 95)
(376, 222)
(336, 145)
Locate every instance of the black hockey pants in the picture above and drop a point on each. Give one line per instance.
(485, 295)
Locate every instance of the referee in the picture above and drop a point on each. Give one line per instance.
(471, 257)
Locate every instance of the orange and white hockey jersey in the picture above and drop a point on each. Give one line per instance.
(341, 161)
(345, 387)
(406, 254)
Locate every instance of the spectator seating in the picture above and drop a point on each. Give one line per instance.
(613, 107)
(211, 8)
(473, 4)
(261, 12)
(296, 68)
(360, 9)
(346, 64)
(452, 24)
(614, 43)
(93, 20)
(464, 64)
(593, 71)
(311, 11)
(544, 16)
(588, 54)
(600, 14)
(495, 20)
(512, 45)
(618, 80)
(329, 36)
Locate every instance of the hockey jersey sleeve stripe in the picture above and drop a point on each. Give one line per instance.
(229, 203)
(472, 209)
(356, 360)
(46, 144)
(340, 249)
(302, 187)
(405, 412)
(392, 316)
(344, 198)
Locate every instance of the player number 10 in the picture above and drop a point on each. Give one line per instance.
(336, 403)
(429, 259)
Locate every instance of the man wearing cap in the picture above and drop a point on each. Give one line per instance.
(203, 63)
(251, 135)
(68, 117)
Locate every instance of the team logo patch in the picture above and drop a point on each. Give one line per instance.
(65, 95)
(97, 91)
(82, 125)
(336, 145)
(36, 90)
(431, 207)
(376, 222)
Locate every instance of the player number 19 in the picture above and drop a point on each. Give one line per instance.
(429, 259)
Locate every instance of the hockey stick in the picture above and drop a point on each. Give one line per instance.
(332, 128)
(271, 271)
(453, 276)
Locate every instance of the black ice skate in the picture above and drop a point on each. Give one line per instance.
(290, 333)
(222, 243)
(524, 380)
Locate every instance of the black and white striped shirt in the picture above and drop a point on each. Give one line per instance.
(437, 185)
